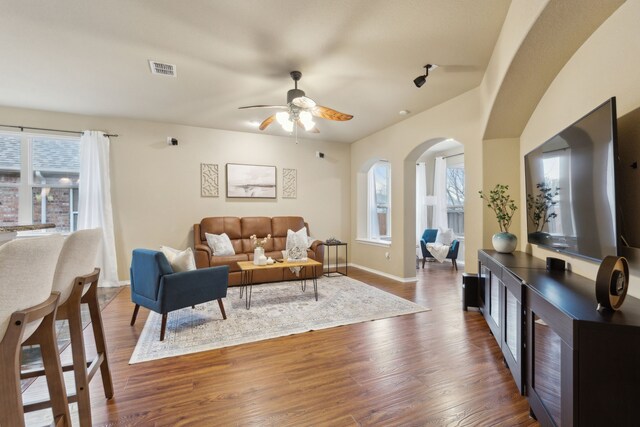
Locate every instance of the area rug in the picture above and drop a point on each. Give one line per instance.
(277, 309)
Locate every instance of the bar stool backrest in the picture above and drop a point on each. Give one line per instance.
(77, 258)
(26, 276)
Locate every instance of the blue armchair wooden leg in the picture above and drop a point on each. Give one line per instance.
(135, 314)
(423, 261)
(455, 264)
(163, 327)
(224, 315)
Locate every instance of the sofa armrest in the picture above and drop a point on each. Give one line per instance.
(318, 248)
(202, 255)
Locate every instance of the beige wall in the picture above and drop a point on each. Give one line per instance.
(463, 119)
(605, 65)
(156, 187)
(402, 145)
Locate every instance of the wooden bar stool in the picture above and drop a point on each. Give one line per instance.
(27, 314)
(76, 279)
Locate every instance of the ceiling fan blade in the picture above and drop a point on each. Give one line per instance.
(303, 102)
(330, 114)
(267, 122)
(280, 107)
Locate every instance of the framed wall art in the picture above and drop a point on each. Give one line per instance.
(251, 181)
(208, 180)
(289, 184)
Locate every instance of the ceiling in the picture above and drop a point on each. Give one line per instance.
(357, 56)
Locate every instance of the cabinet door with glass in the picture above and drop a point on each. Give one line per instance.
(512, 326)
(492, 296)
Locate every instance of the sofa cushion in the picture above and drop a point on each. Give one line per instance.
(230, 261)
(280, 225)
(258, 225)
(219, 225)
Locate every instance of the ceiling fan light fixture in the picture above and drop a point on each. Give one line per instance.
(283, 117)
(288, 126)
(307, 120)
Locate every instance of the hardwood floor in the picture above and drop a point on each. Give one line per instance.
(440, 367)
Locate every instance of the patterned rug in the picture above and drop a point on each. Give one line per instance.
(277, 309)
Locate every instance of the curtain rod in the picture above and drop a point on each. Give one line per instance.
(22, 128)
(453, 155)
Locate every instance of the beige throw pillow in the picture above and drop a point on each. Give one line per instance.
(298, 238)
(179, 260)
(220, 244)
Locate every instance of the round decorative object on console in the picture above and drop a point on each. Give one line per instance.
(612, 282)
(505, 243)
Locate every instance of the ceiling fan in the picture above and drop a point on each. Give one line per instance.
(299, 110)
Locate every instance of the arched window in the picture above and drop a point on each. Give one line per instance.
(379, 202)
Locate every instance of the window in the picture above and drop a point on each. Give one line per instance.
(39, 180)
(379, 202)
(455, 197)
(10, 166)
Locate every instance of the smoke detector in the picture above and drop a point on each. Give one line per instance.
(162, 68)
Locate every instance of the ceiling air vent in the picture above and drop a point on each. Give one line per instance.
(162, 68)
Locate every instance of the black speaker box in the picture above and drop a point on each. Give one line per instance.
(555, 264)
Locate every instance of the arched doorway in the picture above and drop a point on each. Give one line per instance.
(434, 174)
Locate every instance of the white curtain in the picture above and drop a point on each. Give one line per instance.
(94, 202)
(440, 192)
(421, 201)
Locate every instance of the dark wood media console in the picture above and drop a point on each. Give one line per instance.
(576, 366)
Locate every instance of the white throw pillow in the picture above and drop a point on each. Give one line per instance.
(298, 238)
(220, 244)
(445, 237)
(179, 260)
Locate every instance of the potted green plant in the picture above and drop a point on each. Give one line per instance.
(504, 207)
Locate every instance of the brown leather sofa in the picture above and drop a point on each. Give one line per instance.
(239, 231)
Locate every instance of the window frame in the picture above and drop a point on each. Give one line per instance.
(372, 201)
(27, 183)
(453, 164)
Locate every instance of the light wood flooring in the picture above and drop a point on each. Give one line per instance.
(440, 368)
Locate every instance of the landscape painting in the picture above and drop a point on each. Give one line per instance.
(251, 181)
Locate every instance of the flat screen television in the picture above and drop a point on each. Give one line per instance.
(570, 187)
(628, 189)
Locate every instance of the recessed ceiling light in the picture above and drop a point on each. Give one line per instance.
(404, 112)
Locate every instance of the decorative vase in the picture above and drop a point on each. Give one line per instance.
(505, 243)
(258, 256)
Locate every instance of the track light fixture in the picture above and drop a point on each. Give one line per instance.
(420, 80)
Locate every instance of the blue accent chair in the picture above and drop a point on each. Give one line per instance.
(429, 236)
(155, 286)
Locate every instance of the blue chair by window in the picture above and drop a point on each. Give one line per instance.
(155, 286)
(429, 236)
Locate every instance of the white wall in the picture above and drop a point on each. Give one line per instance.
(606, 65)
(156, 187)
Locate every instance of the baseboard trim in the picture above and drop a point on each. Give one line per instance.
(387, 275)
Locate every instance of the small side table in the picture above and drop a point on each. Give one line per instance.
(335, 269)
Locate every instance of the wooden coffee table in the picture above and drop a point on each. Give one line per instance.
(248, 267)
